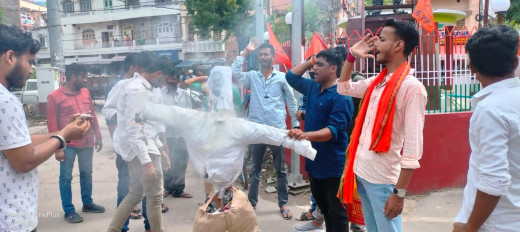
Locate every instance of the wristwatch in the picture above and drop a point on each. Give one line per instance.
(400, 193)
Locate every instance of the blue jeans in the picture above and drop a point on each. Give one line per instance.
(313, 204)
(257, 155)
(85, 176)
(373, 198)
(123, 185)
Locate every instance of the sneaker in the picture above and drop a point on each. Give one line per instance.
(354, 227)
(73, 217)
(309, 226)
(92, 207)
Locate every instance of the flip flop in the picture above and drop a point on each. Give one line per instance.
(137, 213)
(303, 217)
(164, 208)
(286, 212)
(184, 195)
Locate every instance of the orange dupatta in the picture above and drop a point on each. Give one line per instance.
(382, 131)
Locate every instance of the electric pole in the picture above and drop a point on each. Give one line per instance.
(295, 178)
(55, 40)
(259, 17)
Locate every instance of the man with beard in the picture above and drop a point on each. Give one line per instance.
(61, 104)
(390, 120)
(20, 152)
(327, 116)
(139, 144)
(269, 94)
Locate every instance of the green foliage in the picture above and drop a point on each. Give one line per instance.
(385, 2)
(513, 14)
(2, 15)
(281, 30)
(218, 15)
(314, 20)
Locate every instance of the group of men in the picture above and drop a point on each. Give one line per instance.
(381, 152)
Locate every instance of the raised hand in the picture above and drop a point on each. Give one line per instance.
(251, 47)
(362, 48)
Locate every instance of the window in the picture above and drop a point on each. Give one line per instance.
(191, 34)
(42, 40)
(163, 1)
(107, 4)
(88, 34)
(165, 28)
(31, 86)
(85, 5)
(68, 7)
(131, 3)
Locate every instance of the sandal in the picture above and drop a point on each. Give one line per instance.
(303, 217)
(164, 208)
(285, 213)
(184, 195)
(136, 214)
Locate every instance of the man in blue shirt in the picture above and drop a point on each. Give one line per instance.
(327, 117)
(269, 94)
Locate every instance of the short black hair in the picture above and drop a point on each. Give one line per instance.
(492, 50)
(12, 38)
(130, 60)
(164, 64)
(332, 58)
(265, 45)
(74, 69)
(146, 60)
(407, 32)
(341, 52)
(173, 73)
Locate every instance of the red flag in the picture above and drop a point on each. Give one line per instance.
(424, 15)
(280, 56)
(317, 45)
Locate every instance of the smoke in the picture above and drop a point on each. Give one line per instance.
(217, 142)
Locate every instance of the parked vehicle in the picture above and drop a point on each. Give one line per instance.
(29, 93)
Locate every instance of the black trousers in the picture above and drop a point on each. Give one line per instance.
(325, 191)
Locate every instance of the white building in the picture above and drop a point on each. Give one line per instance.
(101, 31)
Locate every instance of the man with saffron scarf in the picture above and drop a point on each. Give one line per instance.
(390, 120)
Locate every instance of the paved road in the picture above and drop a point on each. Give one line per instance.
(431, 212)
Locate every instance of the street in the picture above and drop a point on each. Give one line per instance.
(429, 212)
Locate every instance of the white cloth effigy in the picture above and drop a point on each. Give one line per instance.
(217, 142)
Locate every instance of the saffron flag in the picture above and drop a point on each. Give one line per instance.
(317, 45)
(280, 56)
(424, 15)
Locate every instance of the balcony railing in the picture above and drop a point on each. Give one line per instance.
(203, 46)
(157, 4)
(130, 43)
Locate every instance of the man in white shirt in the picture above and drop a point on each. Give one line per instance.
(20, 152)
(492, 193)
(174, 179)
(138, 147)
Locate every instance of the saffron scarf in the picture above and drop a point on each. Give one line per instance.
(382, 131)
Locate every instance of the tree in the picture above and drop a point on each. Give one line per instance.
(314, 20)
(513, 14)
(217, 16)
(385, 2)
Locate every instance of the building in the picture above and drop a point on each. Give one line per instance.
(24, 14)
(102, 31)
